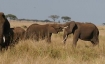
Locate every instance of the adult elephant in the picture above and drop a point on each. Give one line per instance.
(4, 29)
(36, 31)
(16, 34)
(83, 31)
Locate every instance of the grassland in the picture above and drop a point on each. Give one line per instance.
(31, 52)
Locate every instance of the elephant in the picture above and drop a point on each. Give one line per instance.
(16, 34)
(4, 29)
(83, 31)
(36, 31)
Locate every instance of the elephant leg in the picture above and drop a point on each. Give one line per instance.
(75, 39)
(7, 40)
(36, 38)
(49, 38)
(2, 45)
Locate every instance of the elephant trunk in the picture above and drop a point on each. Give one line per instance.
(1, 36)
(65, 36)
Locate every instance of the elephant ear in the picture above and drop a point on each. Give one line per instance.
(52, 30)
(72, 25)
(69, 26)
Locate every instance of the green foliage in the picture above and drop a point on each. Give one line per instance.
(47, 20)
(54, 17)
(11, 16)
(66, 18)
(103, 23)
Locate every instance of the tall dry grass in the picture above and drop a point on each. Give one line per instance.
(32, 52)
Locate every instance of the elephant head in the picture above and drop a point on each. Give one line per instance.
(68, 29)
(55, 28)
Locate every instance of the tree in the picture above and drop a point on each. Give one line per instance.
(47, 20)
(103, 23)
(11, 17)
(54, 17)
(66, 18)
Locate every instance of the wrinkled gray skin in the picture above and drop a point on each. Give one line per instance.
(36, 31)
(83, 31)
(4, 30)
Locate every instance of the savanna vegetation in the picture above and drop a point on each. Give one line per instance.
(32, 52)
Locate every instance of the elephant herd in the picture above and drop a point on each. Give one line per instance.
(83, 31)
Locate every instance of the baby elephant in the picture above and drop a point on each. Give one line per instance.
(16, 34)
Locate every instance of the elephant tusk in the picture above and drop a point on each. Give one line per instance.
(65, 38)
(4, 39)
(66, 27)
